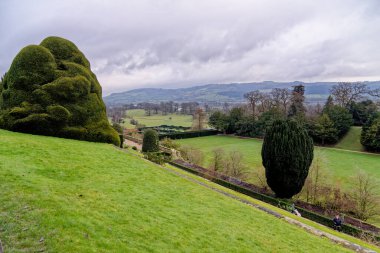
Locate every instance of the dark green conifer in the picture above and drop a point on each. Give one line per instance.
(150, 141)
(287, 153)
(51, 90)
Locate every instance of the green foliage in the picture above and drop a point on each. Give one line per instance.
(362, 111)
(287, 153)
(236, 114)
(50, 90)
(370, 137)
(341, 117)
(118, 128)
(169, 143)
(267, 118)
(189, 134)
(33, 66)
(65, 50)
(324, 131)
(218, 120)
(150, 141)
(156, 157)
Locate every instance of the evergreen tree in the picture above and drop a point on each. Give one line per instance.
(341, 117)
(324, 130)
(218, 120)
(236, 114)
(150, 141)
(362, 111)
(329, 103)
(370, 137)
(51, 90)
(297, 108)
(287, 153)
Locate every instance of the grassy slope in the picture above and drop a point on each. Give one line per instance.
(341, 165)
(351, 141)
(156, 120)
(88, 197)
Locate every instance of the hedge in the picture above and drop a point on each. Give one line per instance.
(190, 134)
(348, 229)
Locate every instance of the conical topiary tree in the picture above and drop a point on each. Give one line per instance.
(287, 153)
(51, 90)
(150, 141)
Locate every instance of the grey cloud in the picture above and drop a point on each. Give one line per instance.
(173, 43)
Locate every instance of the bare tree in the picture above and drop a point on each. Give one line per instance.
(199, 119)
(226, 107)
(281, 98)
(265, 102)
(345, 93)
(192, 155)
(364, 193)
(314, 180)
(234, 164)
(313, 111)
(218, 159)
(253, 98)
(259, 173)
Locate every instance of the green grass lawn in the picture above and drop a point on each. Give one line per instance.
(351, 141)
(60, 195)
(158, 119)
(340, 165)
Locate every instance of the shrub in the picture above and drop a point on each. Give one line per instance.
(169, 143)
(156, 157)
(287, 153)
(118, 128)
(364, 193)
(192, 155)
(150, 141)
(50, 90)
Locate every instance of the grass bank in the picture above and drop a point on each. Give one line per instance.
(63, 195)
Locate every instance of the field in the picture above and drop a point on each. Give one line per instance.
(157, 119)
(351, 141)
(61, 195)
(340, 165)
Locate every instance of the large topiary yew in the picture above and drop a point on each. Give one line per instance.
(287, 153)
(150, 141)
(51, 90)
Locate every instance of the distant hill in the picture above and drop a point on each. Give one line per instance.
(233, 92)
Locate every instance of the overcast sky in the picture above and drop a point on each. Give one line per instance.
(177, 43)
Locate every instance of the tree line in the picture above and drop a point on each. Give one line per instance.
(348, 104)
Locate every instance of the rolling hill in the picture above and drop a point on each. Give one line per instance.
(218, 93)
